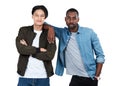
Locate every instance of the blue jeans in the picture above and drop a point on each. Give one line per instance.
(33, 82)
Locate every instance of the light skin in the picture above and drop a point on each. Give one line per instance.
(38, 19)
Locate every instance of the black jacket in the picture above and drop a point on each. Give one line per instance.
(27, 33)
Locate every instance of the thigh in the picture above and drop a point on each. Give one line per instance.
(43, 82)
(77, 81)
(23, 82)
(91, 82)
(74, 82)
(94, 83)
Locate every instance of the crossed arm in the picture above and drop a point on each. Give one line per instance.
(24, 47)
(23, 42)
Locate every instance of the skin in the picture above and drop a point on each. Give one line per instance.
(38, 19)
(72, 20)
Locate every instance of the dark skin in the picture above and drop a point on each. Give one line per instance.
(72, 20)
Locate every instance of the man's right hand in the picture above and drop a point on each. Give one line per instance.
(43, 50)
(23, 42)
(51, 33)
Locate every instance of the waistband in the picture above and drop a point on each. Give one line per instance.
(81, 77)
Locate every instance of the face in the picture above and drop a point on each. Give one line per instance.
(38, 17)
(72, 20)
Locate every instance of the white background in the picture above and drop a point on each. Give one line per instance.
(101, 15)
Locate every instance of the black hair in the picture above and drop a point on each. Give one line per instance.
(72, 10)
(42, 7)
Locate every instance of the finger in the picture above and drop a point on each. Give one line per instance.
(24, 42)
(21, 41)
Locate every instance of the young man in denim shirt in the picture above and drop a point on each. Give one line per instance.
(77, 47)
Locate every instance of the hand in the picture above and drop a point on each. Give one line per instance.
(51, 33)
(43, 50)
(23, 42)
(96, 78)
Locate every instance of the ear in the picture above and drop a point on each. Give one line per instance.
(32, 16)
(78, 19)
(65, 18)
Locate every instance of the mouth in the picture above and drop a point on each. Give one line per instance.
(71, 25)
(39, 21)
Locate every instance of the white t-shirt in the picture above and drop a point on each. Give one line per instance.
(74, 63)
(35, 67)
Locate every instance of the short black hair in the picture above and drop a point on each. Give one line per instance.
(72, 10)
(42, 7)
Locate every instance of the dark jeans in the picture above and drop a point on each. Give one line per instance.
(82, 81)
(33, 82)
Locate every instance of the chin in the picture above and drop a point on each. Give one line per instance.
(71, 27)
(39, 24)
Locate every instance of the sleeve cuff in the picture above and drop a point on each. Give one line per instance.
(37, 50)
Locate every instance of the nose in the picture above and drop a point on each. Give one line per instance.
(71, 20)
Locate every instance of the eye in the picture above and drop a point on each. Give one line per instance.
(75, 17)
(42, 15)
(71, 18)
(68, 18)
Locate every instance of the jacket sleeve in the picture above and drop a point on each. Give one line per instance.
(22, 49)
(48, 55)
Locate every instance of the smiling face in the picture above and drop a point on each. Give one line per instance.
(72, 20)
(38, 17)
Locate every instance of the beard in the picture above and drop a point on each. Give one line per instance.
(72, 26)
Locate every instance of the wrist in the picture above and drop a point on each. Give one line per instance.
(97, 77)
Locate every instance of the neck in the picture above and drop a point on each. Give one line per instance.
(38, 27)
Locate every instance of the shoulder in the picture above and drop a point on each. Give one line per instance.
(86, 29)
(26, 28)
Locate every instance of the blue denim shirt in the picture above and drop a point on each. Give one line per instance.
(89, 46)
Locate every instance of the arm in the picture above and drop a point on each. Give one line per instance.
(98, 70)
(97, 49)
(52, 32)
(46, 54)
(99, 54)
(23, 49)
(23, 42)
